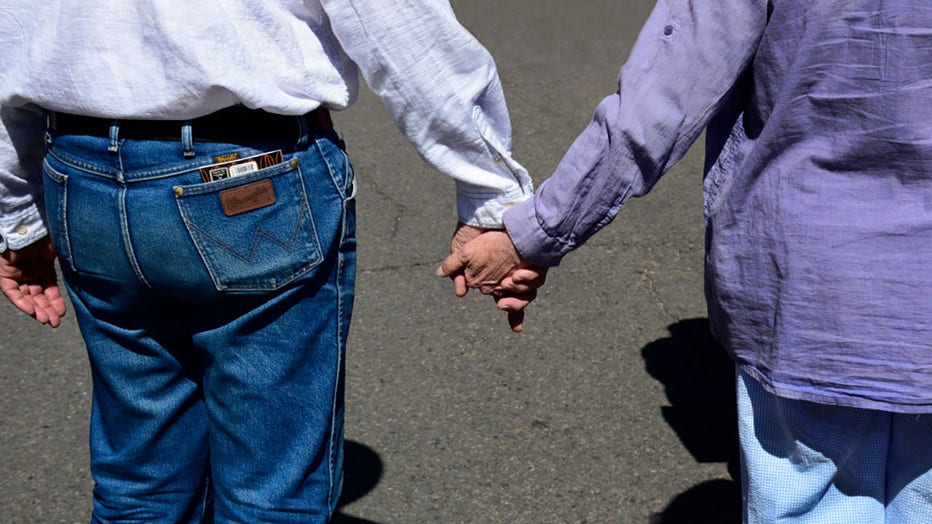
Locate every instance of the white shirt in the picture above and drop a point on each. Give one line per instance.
(180, 59)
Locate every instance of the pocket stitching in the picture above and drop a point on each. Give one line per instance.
(341, 189)
(205, 246)
(61, 179)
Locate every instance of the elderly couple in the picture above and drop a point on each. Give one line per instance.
(178, 159)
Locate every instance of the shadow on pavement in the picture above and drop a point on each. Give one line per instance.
(699, 380)
(362, 470)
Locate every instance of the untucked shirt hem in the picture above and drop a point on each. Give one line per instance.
(795, 393)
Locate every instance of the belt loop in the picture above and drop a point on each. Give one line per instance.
(114, 137)
(187, 139)
(302, 132)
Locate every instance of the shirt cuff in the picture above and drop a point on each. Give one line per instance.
(486, 211)
(20, 229)
(529, 236)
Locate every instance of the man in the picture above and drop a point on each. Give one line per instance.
(201, 207)
(818, 202)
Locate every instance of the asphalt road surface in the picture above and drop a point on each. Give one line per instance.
(614, 405)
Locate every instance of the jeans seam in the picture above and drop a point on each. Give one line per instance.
(340, 349)
(341, 190)
(127, 241)
(62, 180)
(117, 174)
(81, 165)
(66, 236)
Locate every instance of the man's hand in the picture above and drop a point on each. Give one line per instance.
(461, 236)
(488, 261)
(484, 261)
(28, 279)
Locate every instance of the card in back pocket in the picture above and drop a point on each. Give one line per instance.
(240, 166)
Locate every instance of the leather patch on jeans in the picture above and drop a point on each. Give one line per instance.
(247, 198)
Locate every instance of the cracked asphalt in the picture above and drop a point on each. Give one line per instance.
(614, 405)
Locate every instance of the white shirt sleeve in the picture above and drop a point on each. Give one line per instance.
(22, 210)
(441, 87)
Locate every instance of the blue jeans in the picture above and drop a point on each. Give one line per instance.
(215, 317)
(809, 463)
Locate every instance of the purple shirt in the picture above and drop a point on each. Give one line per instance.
(818, 184)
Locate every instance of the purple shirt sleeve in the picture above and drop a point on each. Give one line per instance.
(683, 65)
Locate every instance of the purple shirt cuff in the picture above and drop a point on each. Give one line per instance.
(529, 237)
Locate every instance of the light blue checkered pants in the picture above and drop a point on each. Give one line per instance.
(809, 463)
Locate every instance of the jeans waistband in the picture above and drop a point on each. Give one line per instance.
(232, 124)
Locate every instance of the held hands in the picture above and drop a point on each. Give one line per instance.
(28, 279)
(487, 260)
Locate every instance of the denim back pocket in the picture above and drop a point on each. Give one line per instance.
(254, 232)
(55, 185)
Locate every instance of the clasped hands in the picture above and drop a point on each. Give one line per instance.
(488, 261)
(479, 258)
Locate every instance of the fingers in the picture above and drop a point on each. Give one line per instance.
(454, 263)
(488, 261)
(452, 267)
(41, 302)
(43, 309)
(515, 303)
(489, 288)
(483, 262)
(25, 304)
(18, 295)
(524, 280)
(459, 285)
(510, 286)
(56, 301)
(51, 317)
(530, 276)
(516, 320)
(41, 313)
(49, 304)
(29, 281)
(457, 260)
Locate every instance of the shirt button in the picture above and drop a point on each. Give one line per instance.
(22, 229)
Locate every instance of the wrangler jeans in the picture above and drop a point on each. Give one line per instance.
(215, 317)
